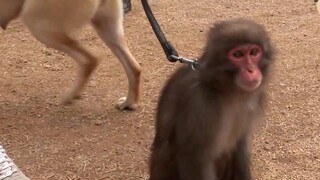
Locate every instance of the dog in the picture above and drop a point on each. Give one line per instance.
(56, 24)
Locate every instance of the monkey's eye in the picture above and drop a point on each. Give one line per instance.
(238, 54)
(254, 52)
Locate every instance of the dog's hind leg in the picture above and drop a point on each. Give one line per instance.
(86, 61)
(10, 9)
(56, 23)
(108, 24)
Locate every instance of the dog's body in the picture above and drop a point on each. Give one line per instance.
(56, 24)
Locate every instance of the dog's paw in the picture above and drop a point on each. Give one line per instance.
(66, 101)
(124, 104)
(69, 98)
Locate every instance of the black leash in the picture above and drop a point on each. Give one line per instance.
(169, 50)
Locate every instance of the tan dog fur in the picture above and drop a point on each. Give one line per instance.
(56, 23)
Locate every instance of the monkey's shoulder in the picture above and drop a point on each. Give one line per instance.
(183, 75)
(180, 82)
(178, 94)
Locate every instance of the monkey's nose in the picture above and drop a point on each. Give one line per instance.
(250, 69)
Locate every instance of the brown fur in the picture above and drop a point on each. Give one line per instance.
(204, 118)
(56, 23)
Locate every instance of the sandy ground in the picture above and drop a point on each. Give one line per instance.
(92, 140)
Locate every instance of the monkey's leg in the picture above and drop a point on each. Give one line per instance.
(196, 166)
(109, 28)
(162, 166)
(240, 162)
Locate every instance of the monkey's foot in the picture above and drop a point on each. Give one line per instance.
(124, 104)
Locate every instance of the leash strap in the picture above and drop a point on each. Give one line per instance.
(167, 47)
(169, 50)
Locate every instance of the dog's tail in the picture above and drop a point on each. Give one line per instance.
(10, 9)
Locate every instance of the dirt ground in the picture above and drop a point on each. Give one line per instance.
(91, 139)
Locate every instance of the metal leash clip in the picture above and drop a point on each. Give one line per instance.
(193, 63)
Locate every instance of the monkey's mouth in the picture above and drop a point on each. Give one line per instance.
(249, 85)
(252, 85)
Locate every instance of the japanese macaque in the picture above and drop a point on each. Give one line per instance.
(205, 116)
(56, 23)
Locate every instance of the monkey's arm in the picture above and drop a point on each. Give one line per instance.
(193, 167)
(171, 104)
(182, 130)
(194, 138)
(162, 160)
(194, 157)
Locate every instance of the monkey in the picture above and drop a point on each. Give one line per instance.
(57, 23)
(204, 117)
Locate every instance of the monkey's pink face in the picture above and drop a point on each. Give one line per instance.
(247, 58)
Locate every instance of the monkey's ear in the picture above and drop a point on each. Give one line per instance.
(218, 23)
(215, 25)
(270, 49)
(215, 28)
(212, 30)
